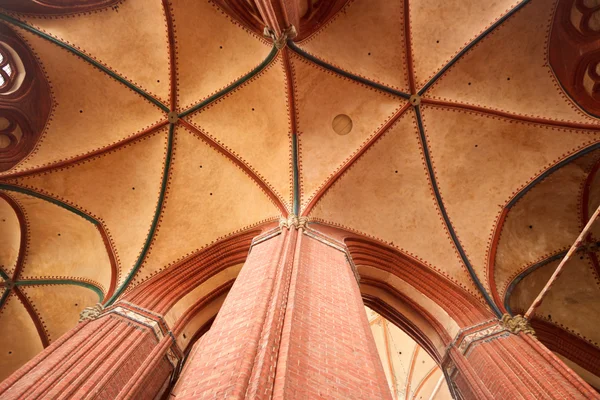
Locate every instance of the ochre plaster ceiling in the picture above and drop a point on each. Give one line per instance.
(114, 191)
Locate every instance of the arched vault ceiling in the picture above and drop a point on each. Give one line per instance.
(571, 304)
(320, 96)
(129, 176)
(509, 71)
(217, 191)
(173, 126)
(439, 30)
(380, 57)
(546, 221)
(211, 50)
(262, 113)
(392, 175)
(90, 110)
(147, 63)
(470, 167)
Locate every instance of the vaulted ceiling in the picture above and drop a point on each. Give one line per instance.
(173, 124)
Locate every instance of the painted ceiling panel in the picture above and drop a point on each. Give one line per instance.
(572, 301)
(64, 246)
(260, 132)
(212, 51)
(58, 306)
(365, 38)
(509, 70)
(392, 174)
(107, 34)
(220, 197)
(320, 96)
(129, 176)
(10, 236)
(544, 222)
(91, 110)
(470, 153)
(440, 29)
(16, 323)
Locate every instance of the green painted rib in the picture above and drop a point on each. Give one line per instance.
(295, 171)
(59, 203)
(84, 57)
(339, 71)
(4, 297)
(442, 207)
(37, 282)
(4, 275)
(234, 85)
(472, 44)
(161, 199)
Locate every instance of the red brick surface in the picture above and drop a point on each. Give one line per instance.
(96, 359)
(509, 366)
(320, 347)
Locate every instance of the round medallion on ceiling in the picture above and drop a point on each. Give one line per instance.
(342, 124)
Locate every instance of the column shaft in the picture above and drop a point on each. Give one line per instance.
(490, 362)
(292, 327)
(97, 359)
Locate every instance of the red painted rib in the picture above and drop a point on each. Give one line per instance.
(533, 120)
(34, 317)
(238, 162)
(75, 160)
(345, 167)
(23, 228)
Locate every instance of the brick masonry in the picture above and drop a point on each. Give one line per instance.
(292, 327)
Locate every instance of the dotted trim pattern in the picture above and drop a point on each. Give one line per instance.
(349, 70)
(405, 252)
(114, 8)
(54, 104)
(239, 25)
(234, 155)
(38, 314)
(509, 281)
(19, 182)
(557, 86)
(476, 293)
(307, 199)
(136, 279)
(176, 63)
(276, 60)
(23, 230)
(470, 290)
(422, 82)
(524, 185)
(512, 277)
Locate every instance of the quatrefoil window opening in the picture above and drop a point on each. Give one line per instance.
(7, 69)
(10, 134)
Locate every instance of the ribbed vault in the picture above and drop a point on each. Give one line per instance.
(174, 125)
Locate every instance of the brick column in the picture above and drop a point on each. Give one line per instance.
(497, 361)
(292, 327)
(106, 356)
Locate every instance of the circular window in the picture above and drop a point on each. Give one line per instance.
(342, 124)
